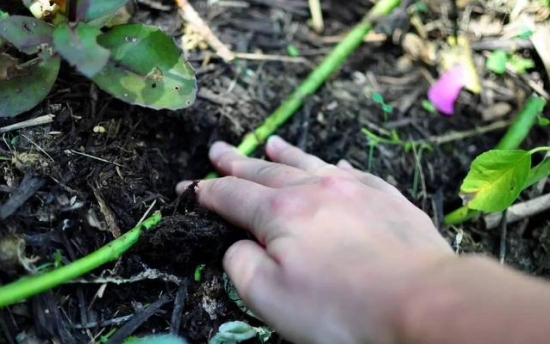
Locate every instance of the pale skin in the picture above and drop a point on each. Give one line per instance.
(342, 257)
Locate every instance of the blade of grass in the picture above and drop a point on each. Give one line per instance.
(32, 285)
(315, 80)
(513, 138)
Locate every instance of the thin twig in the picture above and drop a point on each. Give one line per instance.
(190, 15)
(38, 147)
(316, 15)
(277, 58)
(519, 211)
(93, 157)
(28, 123)
(461, 135)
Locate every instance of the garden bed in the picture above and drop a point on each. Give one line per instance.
(73, 185)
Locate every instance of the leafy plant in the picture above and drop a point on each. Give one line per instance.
(136, 63)
(497, 178)
(499, 60)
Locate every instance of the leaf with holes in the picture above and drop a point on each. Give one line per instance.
(27, 87)
(146, 68)
(78, 45)
(86, 10)
(496, 179)
(27, 34)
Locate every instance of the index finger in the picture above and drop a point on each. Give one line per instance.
(239, 201)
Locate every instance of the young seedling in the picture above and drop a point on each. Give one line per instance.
(386, 108)
(497, 178)
(136, 63)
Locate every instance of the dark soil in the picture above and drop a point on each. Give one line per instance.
(65, 204)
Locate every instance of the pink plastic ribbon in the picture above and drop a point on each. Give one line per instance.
(444, 93)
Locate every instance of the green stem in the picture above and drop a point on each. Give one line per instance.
(513, 138)
(539, 149)
(32, 285)
(315, 80)
(524, 122)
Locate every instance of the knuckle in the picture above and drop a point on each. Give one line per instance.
(287, 204)
(334, 183)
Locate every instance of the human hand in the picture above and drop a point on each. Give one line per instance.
(338, 249)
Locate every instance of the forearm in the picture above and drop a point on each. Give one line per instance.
(475, 300)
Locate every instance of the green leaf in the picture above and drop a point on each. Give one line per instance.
(521, 65)
(2, 16)
(87, 10)
(496, 179)
(233, 332)
(26, 89)
(26, 33)
(378, 98)
(293, 50)
(496, 62)
(78, 45)
(156, 339)
(146, 68)
(544, 122)
(428, 106)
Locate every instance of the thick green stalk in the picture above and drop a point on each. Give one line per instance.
(315, 80)
(522, 126)
(32, 285)
(513, 138)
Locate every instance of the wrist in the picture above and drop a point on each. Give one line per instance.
(474, 299)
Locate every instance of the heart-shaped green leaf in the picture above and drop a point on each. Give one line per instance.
(496, 179)
(87, 10)
(78, 45)
(146, 68)
(26, 33)
(27, 87)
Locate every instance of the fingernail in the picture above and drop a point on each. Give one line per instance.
(182, 186)
(344, 164)
(218, 149)
(277, 143)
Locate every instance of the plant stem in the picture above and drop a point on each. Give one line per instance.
(539, 149)
(524, 122)
(513, 138)
(315, 80)
(32, 285)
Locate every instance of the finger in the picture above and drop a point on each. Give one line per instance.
(369, 179)
(229, 161)
(252, 272)
(241, 202)
(283, 152)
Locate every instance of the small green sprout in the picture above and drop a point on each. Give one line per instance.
(293, 50)
(543, 121)
(136, 63)
(386, 108)
(499, 61)
(198, 272)
(428, 106)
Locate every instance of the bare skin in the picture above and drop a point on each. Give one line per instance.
(342, 257)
